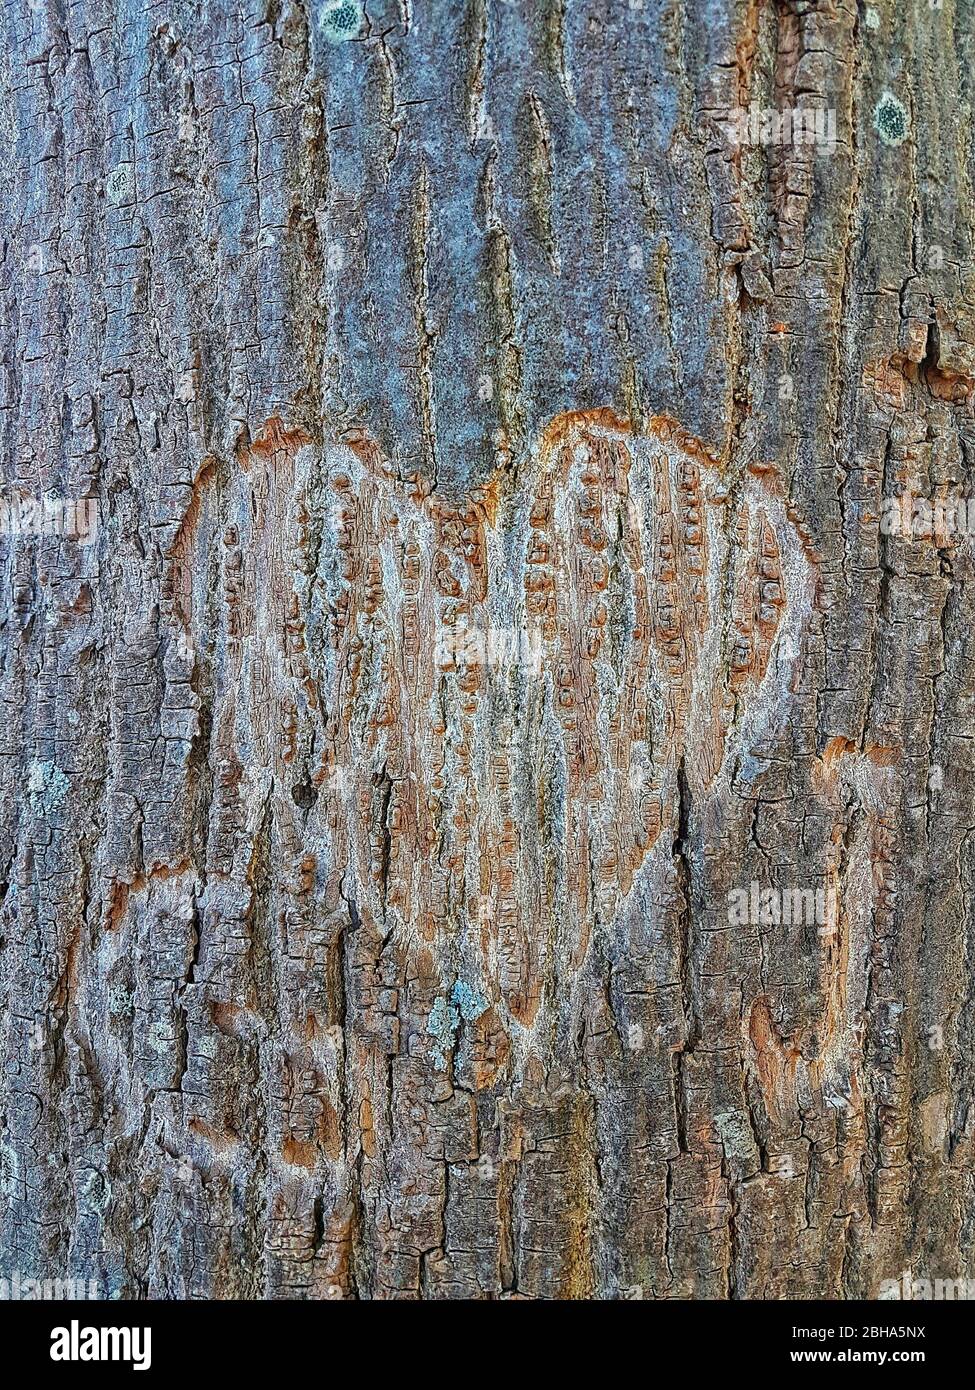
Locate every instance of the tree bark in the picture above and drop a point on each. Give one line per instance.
(488, 607)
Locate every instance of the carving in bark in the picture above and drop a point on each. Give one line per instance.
(488, 592)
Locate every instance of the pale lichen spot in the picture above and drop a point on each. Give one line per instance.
(46, 785)
(890, 120)
(119, 185)
(341, 20)
(469, 1001)
(442, 1025)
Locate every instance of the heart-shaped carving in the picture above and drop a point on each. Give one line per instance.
(518, 682)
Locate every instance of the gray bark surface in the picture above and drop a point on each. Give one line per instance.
(342, 956)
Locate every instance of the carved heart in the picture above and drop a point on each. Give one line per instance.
(600, 629)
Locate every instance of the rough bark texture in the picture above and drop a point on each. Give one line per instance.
(339, 963)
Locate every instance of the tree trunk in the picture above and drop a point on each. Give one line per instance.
(486, 799)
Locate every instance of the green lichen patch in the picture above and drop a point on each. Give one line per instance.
(341, 21)
(46, 785)
(442, 1024)
(890, 120)
(469, 1001)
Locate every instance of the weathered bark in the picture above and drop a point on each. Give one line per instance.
(346, 953)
